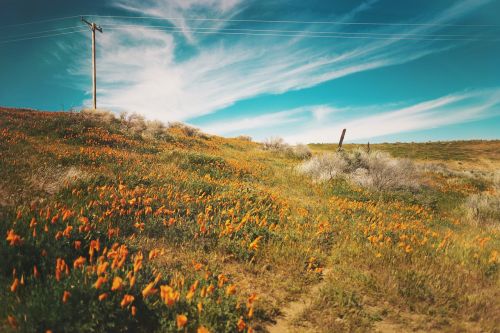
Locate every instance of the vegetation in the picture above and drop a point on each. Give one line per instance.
(120, 224)
(375, 170)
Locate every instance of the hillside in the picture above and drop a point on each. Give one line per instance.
(114, 225)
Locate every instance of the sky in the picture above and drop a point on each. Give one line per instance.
(386, 70)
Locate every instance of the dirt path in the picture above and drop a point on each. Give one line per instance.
(295, 308)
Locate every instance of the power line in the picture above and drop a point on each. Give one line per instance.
(250, 21)
(250, 33)
(36, 37)
(292, 21)
(42, 32)
(292, 31)
(254, 32)
(305, 35)
(41, 21)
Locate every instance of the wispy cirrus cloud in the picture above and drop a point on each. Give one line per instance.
(140, 70)
(263, 121)
(446, 110)
(179, 12)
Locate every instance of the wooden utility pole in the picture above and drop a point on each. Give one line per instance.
(342, 138)
(93, 27)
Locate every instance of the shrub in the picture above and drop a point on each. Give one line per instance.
(135, 124)
(100, 115)
(154, 129)
(380, 171)
(276, 144)
(301, 151)
(376, 170)
(324, 167)
(188, 130)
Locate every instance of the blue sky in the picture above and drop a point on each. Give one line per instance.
(387, 70)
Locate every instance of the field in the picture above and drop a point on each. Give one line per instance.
(118, 224)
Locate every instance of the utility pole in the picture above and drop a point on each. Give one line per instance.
(93, 27)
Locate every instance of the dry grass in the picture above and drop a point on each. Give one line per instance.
(483, 209)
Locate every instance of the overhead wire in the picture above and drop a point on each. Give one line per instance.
(259, 32)
(292, 31)
(40, 21)
(291, 21)
(43, 32)
(253, 32)
(37, 37)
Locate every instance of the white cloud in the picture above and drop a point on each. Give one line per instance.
(452, 109)
(321, 112)
(180, 11)
(138, 69)
(249, 123)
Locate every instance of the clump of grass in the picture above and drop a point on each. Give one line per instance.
(483, 209)
(375, 170)
(247, 138)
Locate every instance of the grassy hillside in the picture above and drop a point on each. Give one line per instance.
(117, 225)
(442, 150)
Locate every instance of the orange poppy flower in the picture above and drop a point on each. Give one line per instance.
(12, 321)
(168, 295)
(79, 262)
(66, 296)
(222, 279)
(153, 254)
(241, 324)
(13, 238)
(100, 281)
(117, 283)
(231, 289)
(14, 285)
(127, 299)
(149, 290)
(67, 231)
(255, 244)
(132, 281)
(102, 267)
(202, 329)
(181, 321)
(36, 274)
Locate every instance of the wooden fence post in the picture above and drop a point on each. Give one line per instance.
(341, 139)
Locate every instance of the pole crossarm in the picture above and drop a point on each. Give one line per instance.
(92, 25)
